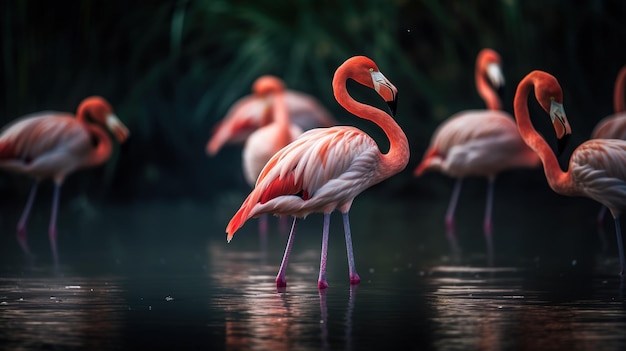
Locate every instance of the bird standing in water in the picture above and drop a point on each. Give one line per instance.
(597, 167)
(478, 143)
(326, 168)
(53, 145)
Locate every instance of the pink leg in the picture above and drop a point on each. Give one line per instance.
(21, 224)
(450, 219)
(321, 281)
(487, 223)
(281, 282)
(354, 277)
(52, 231)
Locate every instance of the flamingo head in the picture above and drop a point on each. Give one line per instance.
(100, 111)
(550, 96)
(365, 72)
(267, 85)
(489, 62)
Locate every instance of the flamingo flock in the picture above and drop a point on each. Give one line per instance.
(298, 161)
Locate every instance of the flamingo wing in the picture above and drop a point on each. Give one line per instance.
(242, 118)
(322, 170)
(598, 169)
(44, 144)
(479, 142)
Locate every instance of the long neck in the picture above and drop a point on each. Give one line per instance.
(485, 90)
(397, 157)
(281, 118)
(558, 180)
(619, 100)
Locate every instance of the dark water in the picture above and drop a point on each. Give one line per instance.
(162, 277)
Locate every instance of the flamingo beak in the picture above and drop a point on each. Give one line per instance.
(386, 90)
(560, 124)
(494, 73)
(117, 128)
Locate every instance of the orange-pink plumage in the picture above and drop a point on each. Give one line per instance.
(326, 168)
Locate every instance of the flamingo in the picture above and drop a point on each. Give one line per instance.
(264, 142)
(477, 143)
(613, 126)
(326, 168)
(597, 167)
(250, 112)
(55, 144)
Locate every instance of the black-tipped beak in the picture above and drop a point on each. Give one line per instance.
(393, 105)
(562, 144)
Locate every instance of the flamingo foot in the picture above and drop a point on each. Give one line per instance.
(322, 284)
(355, 279)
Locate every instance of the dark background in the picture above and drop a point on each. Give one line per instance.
(171, 69)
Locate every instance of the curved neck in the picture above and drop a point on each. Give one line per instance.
(397, 157)
(281, 118)
(102, 150)
(485, 90)
(619, 100)
(558, 180)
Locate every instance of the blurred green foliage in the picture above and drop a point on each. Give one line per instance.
(171, 69)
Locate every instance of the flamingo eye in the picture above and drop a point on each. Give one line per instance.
(371, 70)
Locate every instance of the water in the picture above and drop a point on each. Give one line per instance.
(162, 277)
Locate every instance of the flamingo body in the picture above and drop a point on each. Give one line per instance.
(322, 170)
(477, 143)
(55, 144)
(258, 149)
(326, 168)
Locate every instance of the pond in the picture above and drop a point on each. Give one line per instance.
(161, 276)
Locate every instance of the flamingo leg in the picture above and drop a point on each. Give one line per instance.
(488, 223)
(354, 277)
(21, 224)
(321, 282)
(52, 230)
(281, 282)
(449, 219)
(620, 247)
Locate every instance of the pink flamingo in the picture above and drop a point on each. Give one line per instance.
(253, 111)
(478, 143)
(53, 145)
(597, 167)
(613, 126)
(264, 142)
(326, 168)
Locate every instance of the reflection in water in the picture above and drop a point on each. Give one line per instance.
(258, 316)
(75, 313)
(479, 309)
